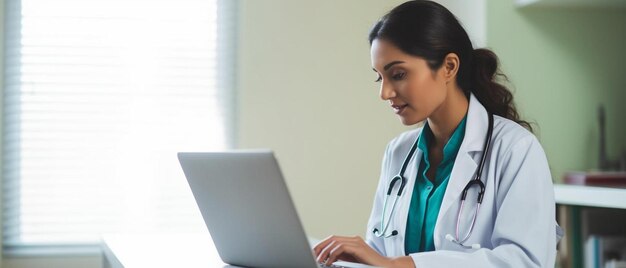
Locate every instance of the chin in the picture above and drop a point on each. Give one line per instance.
(409, 121)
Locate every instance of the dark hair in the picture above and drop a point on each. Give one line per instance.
(428, 30)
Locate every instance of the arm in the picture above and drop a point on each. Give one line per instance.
(377, 243)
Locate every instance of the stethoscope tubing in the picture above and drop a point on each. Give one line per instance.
(402, 180)
(475, 181)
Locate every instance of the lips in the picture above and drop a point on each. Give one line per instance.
(399, 108)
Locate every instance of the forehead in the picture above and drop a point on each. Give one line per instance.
(383, 52)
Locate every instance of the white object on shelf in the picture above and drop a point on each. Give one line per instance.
(590, 196)
(571, 3)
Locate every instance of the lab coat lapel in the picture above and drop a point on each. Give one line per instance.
(465, 165)
(411, 175)
(462, 172)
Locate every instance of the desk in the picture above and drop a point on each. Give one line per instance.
(172, 250)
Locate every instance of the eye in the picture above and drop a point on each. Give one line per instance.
(398, 76)
(378, 79)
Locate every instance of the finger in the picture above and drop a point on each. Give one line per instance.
(356, 249)
(329, 240)
(323, 244)
(339, 250)
(323, 255)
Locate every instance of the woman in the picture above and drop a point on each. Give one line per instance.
(428, 70)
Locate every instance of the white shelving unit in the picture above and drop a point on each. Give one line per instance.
(587, 210)
(579, 195)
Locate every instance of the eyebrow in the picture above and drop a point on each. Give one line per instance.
(389, 65)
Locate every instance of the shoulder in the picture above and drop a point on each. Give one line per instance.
(509, 135)
(517, 149)
(519, 159)
(397, 150)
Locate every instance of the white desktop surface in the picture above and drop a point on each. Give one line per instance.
(162, 250)
(590, 196)
(168, 250)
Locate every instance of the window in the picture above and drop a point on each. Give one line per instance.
(99, 95)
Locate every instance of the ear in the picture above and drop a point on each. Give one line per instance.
(450, 67)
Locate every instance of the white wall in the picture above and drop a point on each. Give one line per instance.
(472, 15)
(306, 91)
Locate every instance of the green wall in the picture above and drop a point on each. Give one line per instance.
(562, 62)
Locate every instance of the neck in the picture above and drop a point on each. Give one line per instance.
(448, 115)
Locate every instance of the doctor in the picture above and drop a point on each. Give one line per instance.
(473, 143)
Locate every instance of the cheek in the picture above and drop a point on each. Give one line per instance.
(424, 94)
(424, 90)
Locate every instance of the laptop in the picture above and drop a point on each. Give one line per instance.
(246, 206)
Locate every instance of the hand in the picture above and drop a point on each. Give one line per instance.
(352, 249)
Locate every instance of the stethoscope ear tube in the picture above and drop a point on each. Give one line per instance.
(469, 185)
(393, 182)
(476, 181)
(486, 149)
(384, 226)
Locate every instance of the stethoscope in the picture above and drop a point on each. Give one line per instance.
(475, 181)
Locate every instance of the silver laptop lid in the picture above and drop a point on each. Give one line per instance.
(247, 208)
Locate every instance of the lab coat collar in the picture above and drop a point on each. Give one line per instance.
(465, 165)
(476, 128)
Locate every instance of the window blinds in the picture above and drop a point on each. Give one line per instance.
(99, 95)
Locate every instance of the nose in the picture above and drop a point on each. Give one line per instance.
(386, 91)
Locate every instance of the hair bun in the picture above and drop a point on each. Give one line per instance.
(485, 63)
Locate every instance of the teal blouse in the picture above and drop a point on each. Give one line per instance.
(428, 194)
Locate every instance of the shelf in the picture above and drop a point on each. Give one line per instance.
(589, 196)
(571, 3)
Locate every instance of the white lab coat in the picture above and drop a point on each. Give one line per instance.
(516, 222)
